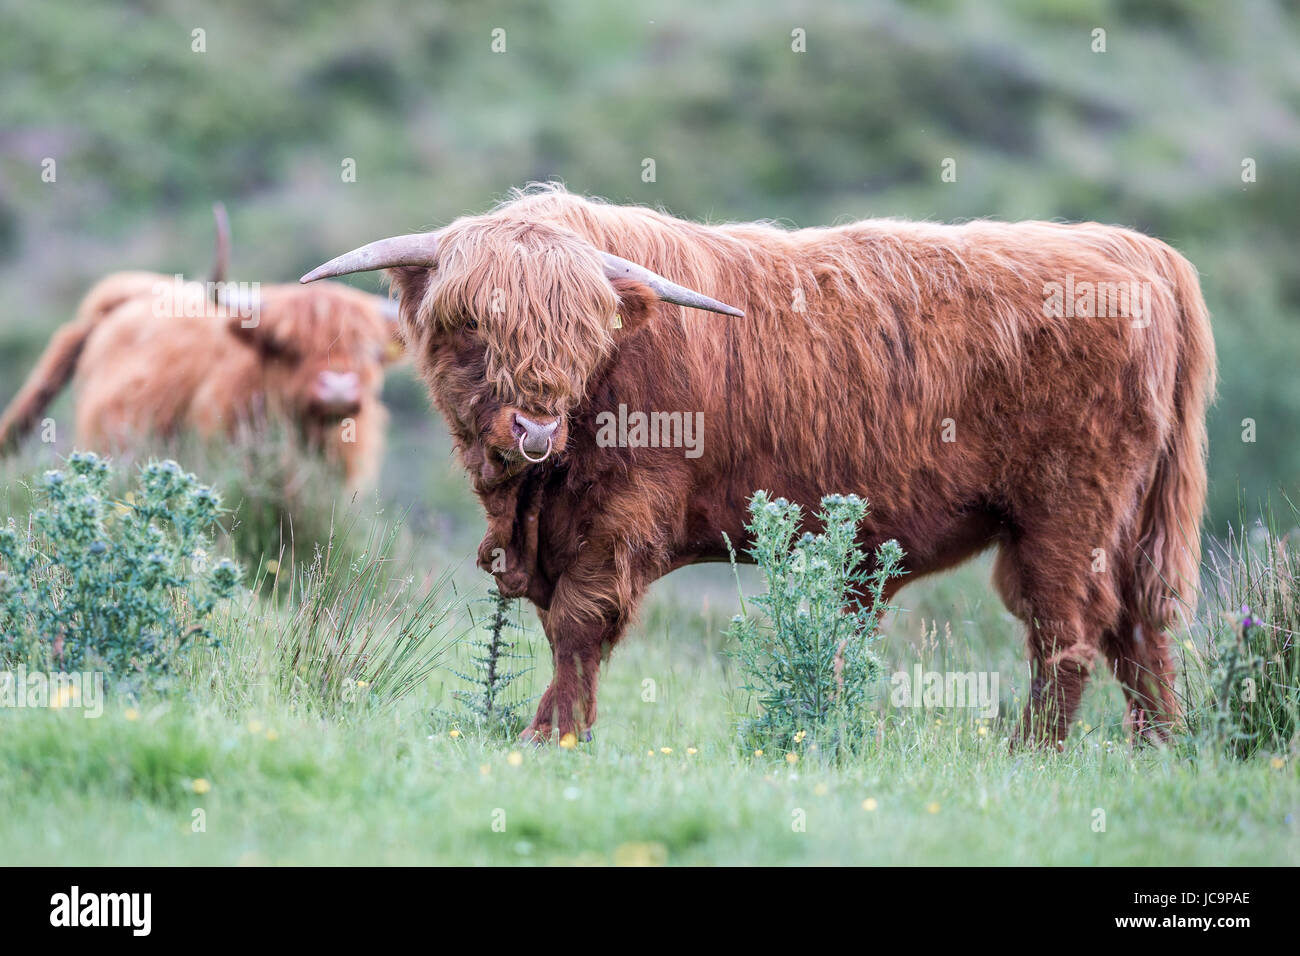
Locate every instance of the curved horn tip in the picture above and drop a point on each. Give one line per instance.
(616, 267)
(320, 272)
(416, 249)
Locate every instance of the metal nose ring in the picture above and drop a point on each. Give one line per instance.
(550, 443)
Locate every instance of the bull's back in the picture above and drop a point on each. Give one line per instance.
(942, 370)
(140, 373)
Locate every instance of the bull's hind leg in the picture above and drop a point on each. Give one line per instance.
(1054, 586)
(1139, 656)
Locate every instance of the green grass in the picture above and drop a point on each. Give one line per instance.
(393, 785)
(390, 784)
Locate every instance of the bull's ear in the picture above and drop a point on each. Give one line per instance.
(258, 334)
(409, 282)
(394, 348)
(244, 329)
(636, 304)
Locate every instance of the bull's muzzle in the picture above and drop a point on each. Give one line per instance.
(535, 438)
(337, 393)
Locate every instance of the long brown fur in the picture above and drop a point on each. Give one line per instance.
(140, 374)
(1079, 448)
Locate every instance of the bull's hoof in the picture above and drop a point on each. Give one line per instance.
(537, 735)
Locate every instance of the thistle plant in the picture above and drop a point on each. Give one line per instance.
(122, 586)
(1248, 674)
(808, 660)
(493, 703)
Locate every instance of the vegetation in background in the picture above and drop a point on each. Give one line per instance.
(146, 132)
(355, 633)
(809, 664)
(119, 586)
(494, 702)
(285, 500)
(1245, 680)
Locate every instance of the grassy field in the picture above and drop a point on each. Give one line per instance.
(663, 782)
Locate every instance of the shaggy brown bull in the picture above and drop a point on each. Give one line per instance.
(956, 376)
(153, 356)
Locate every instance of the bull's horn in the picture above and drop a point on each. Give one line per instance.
(417, 249)
(222, 263)
(616, 268)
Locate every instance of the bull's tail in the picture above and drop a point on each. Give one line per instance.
(59, 360)
(58, 363)
(1169, 534)
(55, 367)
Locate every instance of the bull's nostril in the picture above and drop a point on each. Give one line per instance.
(526, 426)
(534, 437)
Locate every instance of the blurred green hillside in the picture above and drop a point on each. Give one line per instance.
(146, 133)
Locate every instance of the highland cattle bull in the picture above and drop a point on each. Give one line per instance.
(938, 371)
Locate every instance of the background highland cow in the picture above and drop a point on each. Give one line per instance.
(152, 356)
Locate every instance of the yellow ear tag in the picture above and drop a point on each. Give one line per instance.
(393, 351)
(617, 322)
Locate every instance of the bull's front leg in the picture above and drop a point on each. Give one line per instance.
(582, 625)
(568, 705)
(509, 549)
